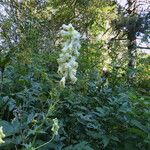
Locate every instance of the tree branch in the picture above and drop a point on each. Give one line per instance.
(141, 47)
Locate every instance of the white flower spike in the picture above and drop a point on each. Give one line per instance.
(69, 53)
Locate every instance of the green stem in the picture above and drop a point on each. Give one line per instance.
(41, 126)
(36, 133)
(45, 143)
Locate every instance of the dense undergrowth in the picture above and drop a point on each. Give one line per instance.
(95, 113)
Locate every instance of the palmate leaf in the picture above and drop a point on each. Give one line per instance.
(9, 128)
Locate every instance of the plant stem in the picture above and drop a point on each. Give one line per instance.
(45, 143)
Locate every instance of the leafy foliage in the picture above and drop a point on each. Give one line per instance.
(103, 110)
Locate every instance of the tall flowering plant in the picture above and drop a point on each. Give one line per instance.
(69, 54)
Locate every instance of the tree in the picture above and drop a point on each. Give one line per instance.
(134, 23)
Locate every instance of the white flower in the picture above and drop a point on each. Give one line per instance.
(62, 81)
(76, 53)
(69, 53)
(2, 135)
(55, 126)
(73, 78)
(65, 48)
(74, 71)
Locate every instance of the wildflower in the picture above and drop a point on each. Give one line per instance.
(55, 126)
(69, 53)
(2, 135)
(62, 82)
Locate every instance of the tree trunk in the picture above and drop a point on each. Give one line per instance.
(132, 49)
(131, 35)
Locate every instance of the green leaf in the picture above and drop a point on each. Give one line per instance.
(80, 146)
(105, 140)
(139, 125)
(137, 132)
(9, 128)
